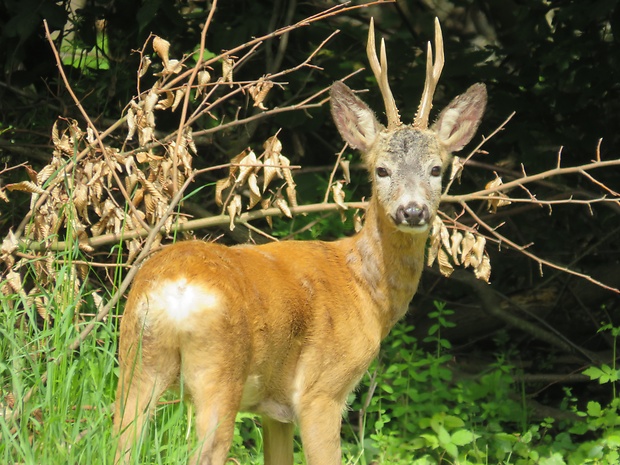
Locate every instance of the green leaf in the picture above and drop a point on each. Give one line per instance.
(387, 388)
(463, 437)
(452, 422)
(594, 409)
(452, 450)
(593, 372)
(443, 436)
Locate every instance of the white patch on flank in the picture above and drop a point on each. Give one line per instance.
(251, 392)
(298, 383)
(178, 300)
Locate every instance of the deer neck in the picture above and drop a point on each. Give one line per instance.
(387, 264)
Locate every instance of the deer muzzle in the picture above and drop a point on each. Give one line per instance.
(412, 216)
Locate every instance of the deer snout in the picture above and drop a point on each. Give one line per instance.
(412, 215)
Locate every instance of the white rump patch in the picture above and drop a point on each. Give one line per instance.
(179, 299)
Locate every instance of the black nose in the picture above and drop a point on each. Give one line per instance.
(412, 214)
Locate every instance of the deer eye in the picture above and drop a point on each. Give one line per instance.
(436, 171)
(382, 172)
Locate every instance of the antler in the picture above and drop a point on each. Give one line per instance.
(381, 74)
(433, 71)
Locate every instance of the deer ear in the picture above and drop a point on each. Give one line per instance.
(458, 122)
(356, 122)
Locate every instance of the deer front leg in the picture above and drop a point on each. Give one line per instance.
(320, 418)
(277, 442)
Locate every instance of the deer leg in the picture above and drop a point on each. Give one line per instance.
(320, 418)
(138, 390)
(216, 388)
(277, 442)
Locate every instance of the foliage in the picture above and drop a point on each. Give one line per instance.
(424, 408)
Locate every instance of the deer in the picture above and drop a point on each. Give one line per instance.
(287, 329)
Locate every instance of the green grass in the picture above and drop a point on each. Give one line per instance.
(413, 412)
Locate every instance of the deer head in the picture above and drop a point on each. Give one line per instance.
(407, 162)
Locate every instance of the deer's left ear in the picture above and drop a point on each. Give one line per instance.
(458, 122)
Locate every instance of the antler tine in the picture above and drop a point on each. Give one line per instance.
(381, 74)
(433, 71)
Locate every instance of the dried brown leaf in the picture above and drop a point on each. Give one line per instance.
(32, 174)
(80, 199)
(455, 239)
(456, 168)
(90, 135)
(286, 171)
(98, 301)
(227, 70)
(466, 247)
(477, 251)
(178, 97)
(162, 48)
(134, 249)
(283, 206)
(220, 186)
(496, 199)
(203, 79)
(189, 138)
(483, 270)
(247, 165)
(259, 92)
(445, 267)
(255, 195)
(14, 281)
(272, 146)
(144, 65)
(435, 241)
(25, 186)
(47, 171)
(165, 103)
(338, 195)
(270, 171)
(131, 124)
(444, 235)
(173, 67)
(9, 245)
(264, 204)
(148, 105)
(234, 209)
(346, 171)
(41, 303)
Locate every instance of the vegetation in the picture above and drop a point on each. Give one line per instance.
(516, 372)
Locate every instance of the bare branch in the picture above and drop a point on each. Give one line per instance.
(504, 240)
(581, 169)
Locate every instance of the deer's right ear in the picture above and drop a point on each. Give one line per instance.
(356, 122)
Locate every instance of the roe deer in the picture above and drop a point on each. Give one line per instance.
(287, 329)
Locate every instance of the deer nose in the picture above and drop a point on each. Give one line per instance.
(412, 215)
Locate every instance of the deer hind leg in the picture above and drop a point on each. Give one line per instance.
(320, 418)
(277, 442)
(140, 386)
(216, 388)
